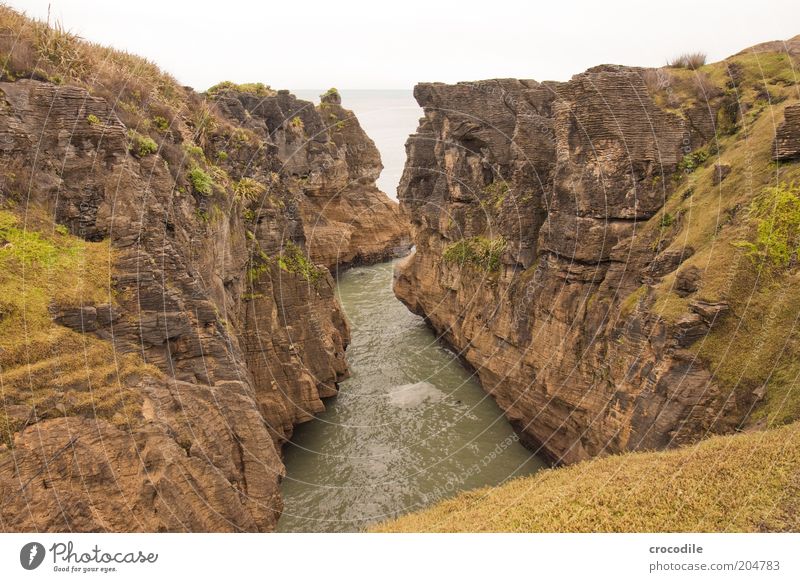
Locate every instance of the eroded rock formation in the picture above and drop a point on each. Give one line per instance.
(346, 219)
(543, 239)
(156, 396)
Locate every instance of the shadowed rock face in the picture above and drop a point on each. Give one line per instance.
(565, 182)
(245, 343)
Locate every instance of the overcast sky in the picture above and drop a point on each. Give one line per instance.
(394, 44)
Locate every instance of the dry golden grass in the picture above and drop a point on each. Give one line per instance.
(746, 482)
(48, 51)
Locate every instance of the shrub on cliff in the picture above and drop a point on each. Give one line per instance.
(201, 181)
(258, 89)
(141, 145)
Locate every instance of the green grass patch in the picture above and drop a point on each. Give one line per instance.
(479, 252)
(632, 300)
(777, 215)
(47, 370)
(294, 260)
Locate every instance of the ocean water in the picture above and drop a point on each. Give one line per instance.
(410, 427)
(388, 117)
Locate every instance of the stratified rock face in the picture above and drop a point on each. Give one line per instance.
(787, 140)
(243, 336)
(347, 219)
(536, 210)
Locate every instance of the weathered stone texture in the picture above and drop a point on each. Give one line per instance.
(567, 174)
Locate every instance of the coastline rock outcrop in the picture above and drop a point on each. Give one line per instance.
(164, 321)
(347, 219)
(550, 220)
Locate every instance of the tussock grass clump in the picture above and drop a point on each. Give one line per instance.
(480, 252)
(248, 189)
(692, 61)
(33, 48)
(742, 483)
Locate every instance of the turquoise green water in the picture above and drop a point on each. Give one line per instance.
(409, 428)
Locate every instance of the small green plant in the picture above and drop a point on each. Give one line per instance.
(480, 252)
(248, 189)
(141, 145)
(667, 219)
(62, 230)
(297, 123)
(254, 273)
(693, 160)
(201, 181)
(222, 156)
(194, 151)
(92, 119)
(777, 214)
(161, 123)
(293, 260)
(240, 136)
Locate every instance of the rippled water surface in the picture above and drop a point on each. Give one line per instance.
(410, 427)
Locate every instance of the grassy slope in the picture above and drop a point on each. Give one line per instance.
(47, 370)
(756, 348)
(746, 482)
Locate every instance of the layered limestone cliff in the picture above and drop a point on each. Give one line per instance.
(162, 327)
(587, 247)
(346, 219)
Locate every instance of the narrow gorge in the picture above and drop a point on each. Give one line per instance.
(213, 320)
